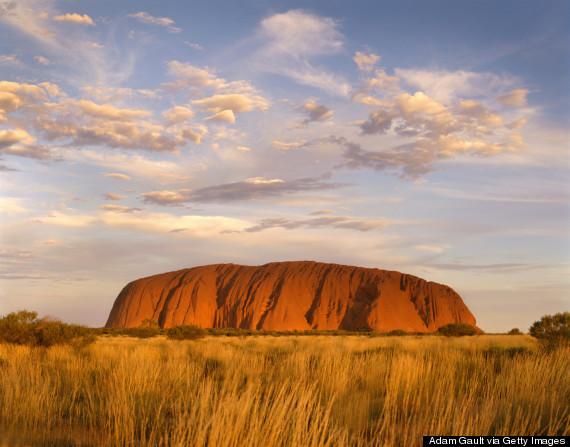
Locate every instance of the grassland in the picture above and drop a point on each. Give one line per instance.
(272, 391)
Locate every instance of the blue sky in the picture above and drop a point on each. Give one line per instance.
(425, 137)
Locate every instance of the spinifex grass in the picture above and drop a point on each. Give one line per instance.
(260, 391)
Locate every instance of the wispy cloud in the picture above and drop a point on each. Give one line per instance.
(257, 188)
(447, 86)
(290, 43)
(147, 19)
(346, 222)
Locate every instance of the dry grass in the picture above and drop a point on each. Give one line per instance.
(265, 391)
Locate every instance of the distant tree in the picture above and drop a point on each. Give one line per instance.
(552, 329)
(457, 330)
(148, 322)
(515, 331)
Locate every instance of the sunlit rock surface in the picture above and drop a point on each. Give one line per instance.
(287, 296)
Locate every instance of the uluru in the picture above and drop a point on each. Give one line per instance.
(289, 296)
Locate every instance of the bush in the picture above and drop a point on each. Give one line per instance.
(457, 330)
(185, 332)
(397, 333)
(24, 328)
(552, 329)
(514, 331)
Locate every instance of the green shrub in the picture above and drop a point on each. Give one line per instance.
(141, 332)
(24, 328)
(184, 332)
(457, 330)
(552, 329)
(515, 331)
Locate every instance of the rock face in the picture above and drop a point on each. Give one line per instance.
(287, 296)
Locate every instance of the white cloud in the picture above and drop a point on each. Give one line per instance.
(282, 146)
(109, 112)
(177, 114)
(236, 103)
(12, 206)
(184, 226)
(8, 58)
(225, 115)
(42, 60)
(365, 61)
(146, 18)
(75, 18)
(291, 40)
(516, 98)
(113, 196)
(118, 208)
(118, 176)
(447, 86)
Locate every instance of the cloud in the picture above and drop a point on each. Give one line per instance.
(483, 115)
(381, 82)
(316, 112)
(81, 122)
(15, 95)
(166, 198)
(11, 137)
(282, 146)
(8, 58)
(118, 208)
(109, 112)
(236, 103)
(321, 212)
(440, 131)
(365, 61)
(225, 115)
(243, 148)
(42, 60)
(194, 134)
(195, 79)
(48, 242)
(491, 268)
(194, 76)
(163, 223)
(379, 122)
(20, 143)
(516, 98)
(177, 114)
(12, 206)
(118, 176)
(446, 86)
(353, 223)
(146, 18)
(300, 33)
(416, 159)
(112, 196)
(257, 188)
(75, 18)
(291, 40)
(430, 248)
(15, 254)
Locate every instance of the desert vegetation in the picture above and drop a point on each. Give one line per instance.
(296, 390)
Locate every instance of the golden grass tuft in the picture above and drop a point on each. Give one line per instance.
(259, 391)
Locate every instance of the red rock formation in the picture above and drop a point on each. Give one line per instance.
(289, 295)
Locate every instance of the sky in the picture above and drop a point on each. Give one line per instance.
(140, 137)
